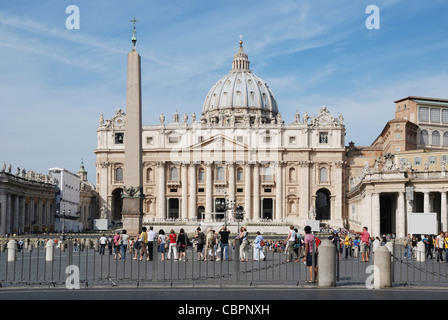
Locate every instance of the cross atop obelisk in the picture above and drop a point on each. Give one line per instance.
(134, 31)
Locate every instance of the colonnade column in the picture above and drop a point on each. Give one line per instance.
(443, 211)
(192, 203)
(247, 191)
(256, 204)
(161, 203)
(401, 215)
(3, 206)
(375, 214)
(184, 177)
(426, 204)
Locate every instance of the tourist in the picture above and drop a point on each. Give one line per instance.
(440, 246)
(290, 241)
(224, 242)
(348, 245)
(244, 245)
(161, 240)
(182, 243)
(103, 242)
(365, 239)
(309, 258)
(152, 239)
(124, 244)
(407, 246)
(200, 238)
(259, 244)
(144, 244)
(446, 246)
(172, 245)
(356, 247)
(110, 242)
(209, 243)
(117, 240)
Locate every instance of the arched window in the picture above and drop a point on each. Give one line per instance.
(445, 139)
(435, 138)
(423, 137)
(220, 174)
(323, 174)
(174, 176)
(119, 174)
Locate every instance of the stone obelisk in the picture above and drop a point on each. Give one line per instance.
(133, 179)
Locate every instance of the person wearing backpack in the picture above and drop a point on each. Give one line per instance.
(259, 244)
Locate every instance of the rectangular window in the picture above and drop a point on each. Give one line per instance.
(292, 140)
(445, 116)
(201, 190)
(432, 160)
(119, 138)
(267, 139)
(323, 137)
(423, 114)
(149, 140)
(417, 161)
(435, 115)
(173, 139)
(239, 190)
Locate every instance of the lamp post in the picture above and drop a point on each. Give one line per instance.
(238, 214)
(225, 205)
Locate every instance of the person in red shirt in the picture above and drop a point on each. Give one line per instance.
(365, 237)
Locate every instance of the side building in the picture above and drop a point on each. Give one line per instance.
(27, 201)
(403, 171)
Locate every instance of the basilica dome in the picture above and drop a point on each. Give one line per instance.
(241, 93)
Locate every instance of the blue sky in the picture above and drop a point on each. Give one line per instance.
(56, 82)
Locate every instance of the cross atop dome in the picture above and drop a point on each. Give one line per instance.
(240, 59)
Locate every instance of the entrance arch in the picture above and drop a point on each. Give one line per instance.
(117, 204)
(323, 204)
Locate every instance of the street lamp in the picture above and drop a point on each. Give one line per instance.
(224, 205)
(238, 214)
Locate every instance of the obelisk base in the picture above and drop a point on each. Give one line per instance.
(132, 215)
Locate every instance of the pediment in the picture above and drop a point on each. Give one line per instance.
(220, 142)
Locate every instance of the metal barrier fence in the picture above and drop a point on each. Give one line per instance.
(31, 266)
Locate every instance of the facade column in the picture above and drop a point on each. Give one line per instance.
(443, 210)
(400, 229)
(278, 192)
(3, 206)
(192, 203)
(208, 190)
(256, 197)
(184, 184)
(375, 214)
(231, 167)
(247, 191)
(161, 201)
(426, 204)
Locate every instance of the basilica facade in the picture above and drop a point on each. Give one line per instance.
(237, 149)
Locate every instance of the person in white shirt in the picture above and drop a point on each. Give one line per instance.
(290, 241)
(152, 237)
(103, 242)
(124, 244)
